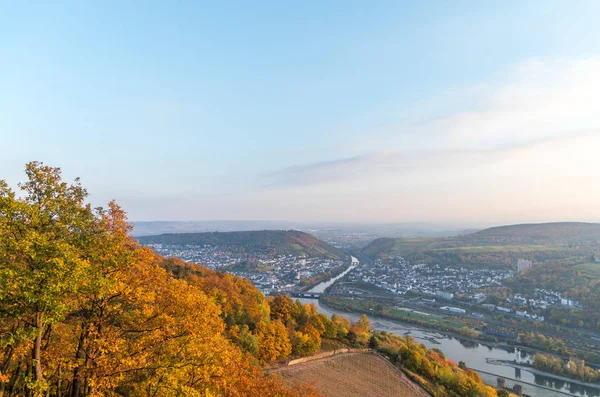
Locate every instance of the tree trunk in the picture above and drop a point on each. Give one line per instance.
(76, 389)
(58, 382)
(37, 348)
(86, 387)
(15, 377)
(4, 369)
(27, 390)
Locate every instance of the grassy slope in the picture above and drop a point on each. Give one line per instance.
(558, 232)
(593, 268)
(352, 375)
(283, 242)
(400, 246)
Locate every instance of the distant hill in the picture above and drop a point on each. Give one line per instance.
(153, 228)
(282, 242)
(539, 233)
(385, 246)
(567, 241)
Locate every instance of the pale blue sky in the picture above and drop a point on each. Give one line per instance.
(313, 110)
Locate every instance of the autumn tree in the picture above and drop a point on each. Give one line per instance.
(360, 330)
(329, 328)
(342, 325)
(85, 311)
(273, 341)
(306, 341)
(283, 308)
(43, 234)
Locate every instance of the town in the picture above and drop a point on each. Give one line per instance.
(269, 273)
(400, 276)
(395, 277)
(470, 292)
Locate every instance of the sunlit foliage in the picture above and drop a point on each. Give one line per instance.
(86, 311)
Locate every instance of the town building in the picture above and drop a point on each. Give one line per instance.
(523, 265)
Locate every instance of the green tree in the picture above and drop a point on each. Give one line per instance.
(330, 329)
(373, 343)
(43, 232)
(306, 341)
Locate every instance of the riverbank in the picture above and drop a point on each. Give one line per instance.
(413, 317)
(527, 383)
(536, 371)
(324, 277)
(322, 286)
(457, 348)
(436, 322)
(452, 331)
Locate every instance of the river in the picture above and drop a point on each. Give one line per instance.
(319, 288)
(474, 354)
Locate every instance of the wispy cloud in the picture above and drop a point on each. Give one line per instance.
(397, 163)
(537, 99)
(533, 99)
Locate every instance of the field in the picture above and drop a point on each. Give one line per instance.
(428, 320)
(503, 248)
(593, 268)
(352, 375)
(402, 247)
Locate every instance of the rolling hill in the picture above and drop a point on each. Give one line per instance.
(538, 233)
(282, 242)
(567, 241)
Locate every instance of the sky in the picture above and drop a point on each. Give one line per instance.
(341, 111)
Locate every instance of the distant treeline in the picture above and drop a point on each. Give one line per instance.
(281, 242)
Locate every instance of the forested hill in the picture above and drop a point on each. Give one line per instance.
(539, 233)
(282, 242)
(566, 241)
(86, 311)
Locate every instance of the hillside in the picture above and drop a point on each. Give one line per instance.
(539, 233)
(282, 242)
(86, 311)
(568, 241)
(352, 375)
(153, 228)
(385, 246)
